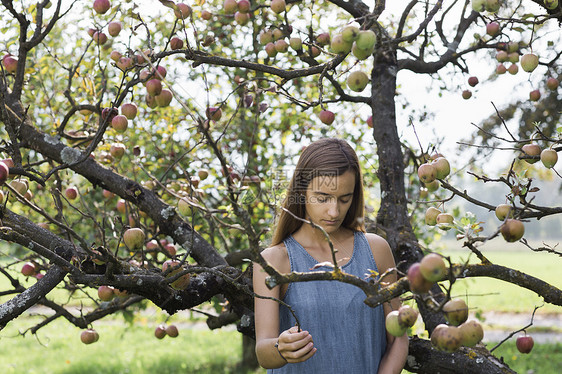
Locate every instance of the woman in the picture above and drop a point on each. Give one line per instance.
(340, 334)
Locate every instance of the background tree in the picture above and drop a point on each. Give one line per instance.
(147, 144)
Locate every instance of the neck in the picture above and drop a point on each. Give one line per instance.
(315, 237)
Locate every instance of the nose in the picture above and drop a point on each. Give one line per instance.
(333, 209)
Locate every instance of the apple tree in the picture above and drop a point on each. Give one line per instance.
(145, 148)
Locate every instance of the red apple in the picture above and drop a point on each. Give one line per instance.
(29, 269)
(100, 38)
(89, 336)
(172, 331)
(164, 99)
(281, 46)
(10, 64)
(243, 6)
(115, 56)
(120, 123)
(129, 110)
(418, 284)
(4, 172)
(534, 95)
(531, 149)
(124, 63)
(270, 49)
(433, 268)
(154, 87)
(105, 293)
(524, 343)
(114, 28)
(101, 6)
(241, 18)
(117, 150)
(176, 43)
(501, 69)
(513, 69)
(171, 249)
(327, 117)
(323, 39)
(552, 83)
(121, 206)
(182, 11)
(214, 114)
(160, 331)
(472, 81)
(427, 173)
(71, 193)
(493, 28)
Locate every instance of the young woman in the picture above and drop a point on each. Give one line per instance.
(340, 334)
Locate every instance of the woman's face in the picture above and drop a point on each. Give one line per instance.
(328, 199)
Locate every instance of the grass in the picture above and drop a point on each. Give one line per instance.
(121, 349)
(543, 359)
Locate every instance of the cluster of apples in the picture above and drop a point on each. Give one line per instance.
(398, 321)
(424, 274)
(459, 331)
(548, 156)
(162, 330)
(511, 229)
(437, 167)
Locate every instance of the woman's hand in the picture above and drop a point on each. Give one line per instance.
(295, 346)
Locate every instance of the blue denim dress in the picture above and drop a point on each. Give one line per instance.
(350, 337)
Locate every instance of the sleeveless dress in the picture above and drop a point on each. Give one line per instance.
(350, 337)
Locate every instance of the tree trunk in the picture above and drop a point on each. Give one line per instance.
(249, 357)
(394, 221)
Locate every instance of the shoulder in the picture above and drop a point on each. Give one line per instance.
(381, 252)
(278, 257)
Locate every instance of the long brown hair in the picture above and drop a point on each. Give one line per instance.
(325, 157)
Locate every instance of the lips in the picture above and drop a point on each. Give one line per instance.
(328, 222)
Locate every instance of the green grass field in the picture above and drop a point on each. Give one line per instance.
(120, 349)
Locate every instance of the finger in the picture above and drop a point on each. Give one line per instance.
(295, 338)
(293, 346)
(302, 354)
(293, 329)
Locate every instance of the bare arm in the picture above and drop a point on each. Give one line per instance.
(396, 353)
(294, 346)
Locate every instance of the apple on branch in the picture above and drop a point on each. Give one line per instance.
(524, 343)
